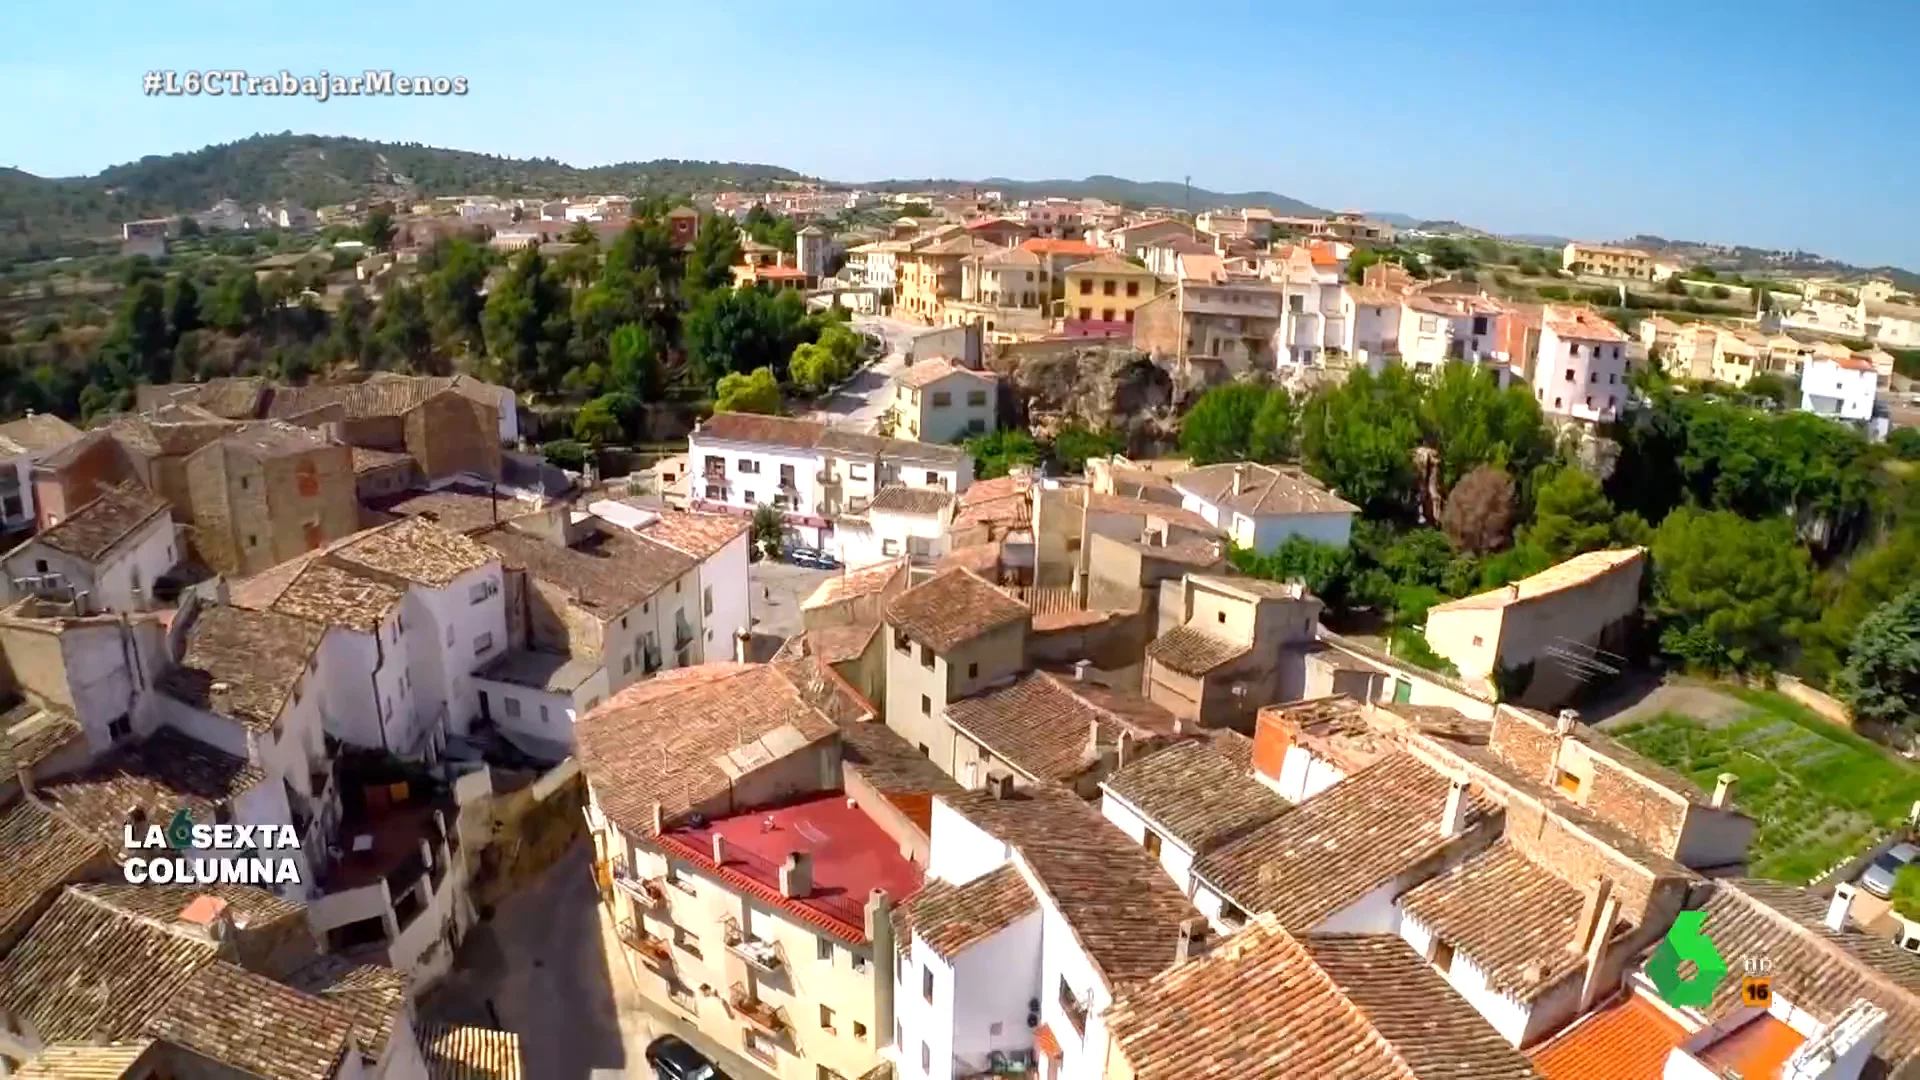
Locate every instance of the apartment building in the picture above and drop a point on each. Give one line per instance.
(104, 556)
(1582, 370)
(1056, 255)
(23, 444)
(938, 401)
(1101, 295)
(1441, 328)
(1829, 311)
(1843, 388)
(1261, 506)
(948, 638)
(749, 893)
(1371, 317)
(1037, 914)
(899, 521)
(1314, 319)
(808, 471)
(1608, 261)
(1536, 638)
(930, 274)
(1226, 644)
(1227, 327)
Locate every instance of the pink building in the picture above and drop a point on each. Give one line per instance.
(1582, 367)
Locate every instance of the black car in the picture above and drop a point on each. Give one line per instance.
(673, 1059)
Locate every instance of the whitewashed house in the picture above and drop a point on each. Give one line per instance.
(1842, 388)
(106, 555)
(899, 520)
(1260, 506)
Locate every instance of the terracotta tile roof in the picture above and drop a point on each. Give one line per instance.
(163, 773)
(243, 664)
(39, 433)
(765, 430)
(609, 570)
(1583, 323)
(235, 398)
(1193, 551)
(30, 733)
(928, 372)
(251, 907)
(1263, 490)
(1338, 845)
(1192, 651)
(1573, 573)
(982, 559)
(901, 499)
(1123, 909)
(373, 994)
(853, 584)
(322, 593)
(1012, 256)
(1252, 587)
(1512, 917)
(843, 443)
(42, 851)
(256, 1025)
(1103, 503)
(679, 738)
(954, 607)
(699, 535)
(1201, 791)
(85, 1061)
(274, 438)
(1263, 1005)
(415, 550)
(1814, 968)
(839, 644)
(892, 764)
(459, 508)
(819, 685)
(950, 918)
(1335, 728)
(95, 529)
(366, 460)
(1040, 723)
(1110, 262)
(1629, 1039)
(383, 394)
(458, 1052)
(1364, 296)
(1044, 246)
(85, 971)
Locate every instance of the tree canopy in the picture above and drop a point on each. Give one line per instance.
(757, 392)
(1729, 594)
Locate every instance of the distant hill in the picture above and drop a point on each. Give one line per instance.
(315, 170)
(1114, 189)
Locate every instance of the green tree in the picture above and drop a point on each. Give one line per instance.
(565, 453)
(456, 270)
(183, 307)
(1359, 437)
(1729, 594)
(758, 392)
(378, 230)
(1075, 443)
(138, 344)
(236, 305)
(997, 452)
(402, 332)
(1571, 515)
(768, 531)
(1905, 443)
(526, 325)
(349, 341)
(1239, 422)
(1881, 681)
(1327, 571)
(1472, 421)
(582, 234)
(634, 362)
(711, 257)
(596, 425)
(738, 330)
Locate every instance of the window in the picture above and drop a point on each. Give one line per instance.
(1107, 287)
(1566, 782)
(481, 590)
(859, 1030)
(40, 566)
(926, 983)
(684, 941)
(513, 706)
(926, 656)
(626, 665)
(543, 715)
(926, 1056)
(826, 1018)
(1569, 374)
(856, 472)
(1477, 640)
(942, 399)
(889, 546)
(119, 729)
(859, 966)
(823, 949)
(1442, 956)
(749, 467)
(976, 426)
(1231, 914)
(1152, 843)
(1556, 403)
(483, 644)
(933, 480)
(1220, 615)
(245, 483)
(1086, 314)
(1129, 315)
(1086, 289)
(973, 671)
(1133, 288)
(976, 397)
(926, 709)
(902, 643)
(1573, 349)
(252, 540)
(924, 752)
(1106, 314)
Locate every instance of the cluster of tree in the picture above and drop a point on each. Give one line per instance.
(1782, 540)
(766, 227)
(998, 452)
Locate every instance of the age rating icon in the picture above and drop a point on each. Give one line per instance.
(1687, 940)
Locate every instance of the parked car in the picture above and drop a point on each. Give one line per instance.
(672, 1058)
(806, 556)
(1878, 876)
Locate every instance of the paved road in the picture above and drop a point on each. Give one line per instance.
(774, 601)
(865, 396)
(542, 967)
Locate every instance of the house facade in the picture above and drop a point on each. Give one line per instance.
(1582, 371)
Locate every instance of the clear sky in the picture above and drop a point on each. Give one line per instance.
(1769, 123)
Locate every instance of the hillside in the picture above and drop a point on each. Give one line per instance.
(316, 170)
(1115, 189)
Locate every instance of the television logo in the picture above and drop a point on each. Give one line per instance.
(209, 854)
(1687, 940)
(1756, 986)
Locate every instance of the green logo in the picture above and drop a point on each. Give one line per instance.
(1686, 941)
(180, 830)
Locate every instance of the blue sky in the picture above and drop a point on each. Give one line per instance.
(1775, 124)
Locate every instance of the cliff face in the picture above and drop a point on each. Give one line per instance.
(1098, 386)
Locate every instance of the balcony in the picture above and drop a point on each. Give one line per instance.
(650, 892)
(655, 951)
(764, 955)
(761, 1015)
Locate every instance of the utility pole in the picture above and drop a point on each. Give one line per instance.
(1188, 181)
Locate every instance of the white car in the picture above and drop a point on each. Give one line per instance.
(1879, 875)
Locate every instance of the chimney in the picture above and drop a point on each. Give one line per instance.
(1565, 722)
(1838, 907)
(1723, 787)
(741, 638)
(1080, 670)
(1093, 739)
(1001, 784)
(1597, 950)
(1239, 478)
(1453, 817)
(719, 850)
(659, 819)
(1590, 908)
(1192, 940)
(796, 875)
(1125, 753)
(879, 927)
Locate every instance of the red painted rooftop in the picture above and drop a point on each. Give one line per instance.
(851, 856)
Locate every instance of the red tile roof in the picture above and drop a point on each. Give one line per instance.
(1628, 1040)
(1043, 246)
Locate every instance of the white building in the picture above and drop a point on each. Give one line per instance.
(1438, 328)
(1313, 316)
(1582, 370)
(812, 249)
(809, 472)
(23, 443)
(719, 543)
(105, 555)
(938, 401)
(1012, 949)
(1372, 319)
(1839, 387)
(535, 696)
(900, 520)
(1260, 506)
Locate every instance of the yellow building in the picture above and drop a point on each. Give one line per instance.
(1104, 292)
(931, 274)
(1736, 356)
(1604, 261)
